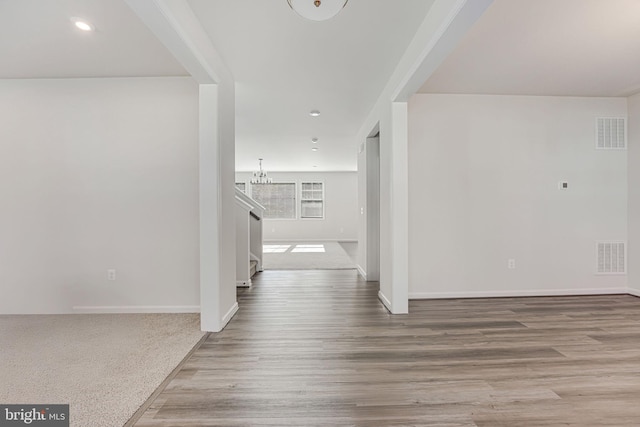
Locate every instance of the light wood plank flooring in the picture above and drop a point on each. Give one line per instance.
(316, 348)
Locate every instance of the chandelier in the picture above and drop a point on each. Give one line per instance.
(317, 10)
(260, 177)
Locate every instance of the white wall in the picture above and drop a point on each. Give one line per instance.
(390, 119)
(633, 129)
(484, 173)
(340, 221)
(444, 25)
(98, 174)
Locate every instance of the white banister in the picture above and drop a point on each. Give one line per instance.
(249, 218)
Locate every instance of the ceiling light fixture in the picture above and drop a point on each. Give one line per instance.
(82, 25)
(314, 113)
(260, 176)
(317, 10)
(314, 140)
(314, 149)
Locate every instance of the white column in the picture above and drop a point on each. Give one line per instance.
(399, 208)
(210, 310)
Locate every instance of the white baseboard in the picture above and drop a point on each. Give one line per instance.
(266, 242)
(384, 301)
(138, 309)
(362, 272)
(243, 283)
(518, 293)
(227, 317)
(634, 292)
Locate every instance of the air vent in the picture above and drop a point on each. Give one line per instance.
(611, 258)
(611, 133)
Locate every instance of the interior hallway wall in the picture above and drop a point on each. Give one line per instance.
(99, 174)
(484, 174)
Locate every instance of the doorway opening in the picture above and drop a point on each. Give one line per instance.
(369, 201)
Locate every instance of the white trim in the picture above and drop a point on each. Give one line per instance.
(315, 171)
(518, 293)
(266, 242)
(243, 283)
(362, 272)
(383, 299)
(227, 317)
(241, 203)
(634, 292)
(137, 309)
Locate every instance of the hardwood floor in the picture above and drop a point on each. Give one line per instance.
(316, 348)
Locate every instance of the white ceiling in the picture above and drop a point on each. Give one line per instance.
(286, 66)
(38, 40)
(547, 47)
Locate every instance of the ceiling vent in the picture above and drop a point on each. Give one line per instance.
(611, 257)
(611, 133)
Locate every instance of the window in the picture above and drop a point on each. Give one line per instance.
(242, 187)
(312, 200)
(278, 199)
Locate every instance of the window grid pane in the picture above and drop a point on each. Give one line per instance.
(312, 200)
(311, 209)
(278, 199)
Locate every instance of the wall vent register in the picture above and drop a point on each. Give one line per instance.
(611, 133)
(611, 257)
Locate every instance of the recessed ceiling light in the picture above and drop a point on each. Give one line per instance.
(315, 166)
(314, 140)
(82, 25)
(314, 149)
(314, 113)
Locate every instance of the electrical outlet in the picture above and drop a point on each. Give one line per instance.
(511, 264)
(111, 274)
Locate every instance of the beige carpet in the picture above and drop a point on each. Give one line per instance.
(104, 365)
(306, 256)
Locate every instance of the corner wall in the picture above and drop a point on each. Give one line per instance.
(99, 174)
(441, 30)
(633, 129)
(483, 181)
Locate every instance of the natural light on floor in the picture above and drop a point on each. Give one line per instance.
(308, 248)
(275, 249)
